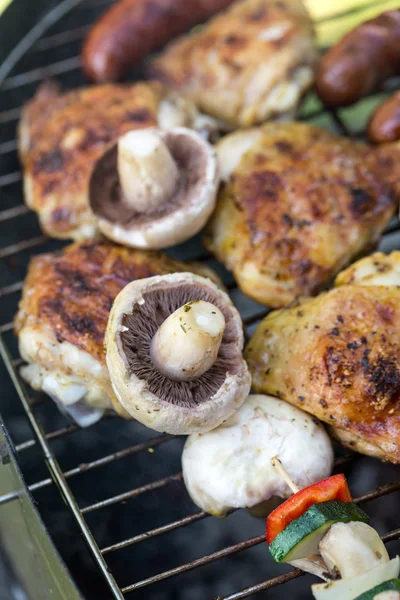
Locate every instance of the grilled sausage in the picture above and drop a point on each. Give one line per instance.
(131, 29)
(384, 124)
(361, 61)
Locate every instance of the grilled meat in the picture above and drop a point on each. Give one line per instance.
(64, 311)
(299, 204)
(337, 356)
(62, 135)
(250, 63)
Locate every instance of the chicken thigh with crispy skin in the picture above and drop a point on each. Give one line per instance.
(298, 205)
(62, 135)
(64, 311)
(250, 63)
(337, 356)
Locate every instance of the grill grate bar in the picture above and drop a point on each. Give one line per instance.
(10, 178)
(148, 487)
(157, 531)
(6, 147)
(11, 289)
(204, 560)
(52, 435)
(11, 213)
(57, 68)
(59, 39)
(270, 583)
(84, 467)
(10, 115)
(24, 245)
(265, 585)
(6, 327)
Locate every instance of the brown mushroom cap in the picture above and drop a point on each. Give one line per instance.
(180, 217)
(179, 407)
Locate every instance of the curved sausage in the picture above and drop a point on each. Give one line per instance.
(131, 29)
(361, 61)
(384, 124)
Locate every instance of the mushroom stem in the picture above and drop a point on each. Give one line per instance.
(276, 463)
(147, 171)
(187, 343)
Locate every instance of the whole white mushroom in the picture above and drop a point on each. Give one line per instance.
(230, 466)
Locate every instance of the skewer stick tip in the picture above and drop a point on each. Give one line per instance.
(276, 463)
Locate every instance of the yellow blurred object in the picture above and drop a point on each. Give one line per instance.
(3, 5)
(334, 18)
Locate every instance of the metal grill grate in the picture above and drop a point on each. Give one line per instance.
(20, 228)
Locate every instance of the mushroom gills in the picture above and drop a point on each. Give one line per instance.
(186, 345)
(145, 322)
(154, 188)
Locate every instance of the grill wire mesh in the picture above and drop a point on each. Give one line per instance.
(111, 479)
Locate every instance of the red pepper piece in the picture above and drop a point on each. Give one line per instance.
(332, 488)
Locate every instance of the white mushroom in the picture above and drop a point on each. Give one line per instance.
(352, 549)
(174, 353)
(154, 188)
(230, 467)
(186, 345)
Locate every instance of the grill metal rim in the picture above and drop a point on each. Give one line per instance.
(42, 438)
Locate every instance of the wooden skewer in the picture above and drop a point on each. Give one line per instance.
(276, 463)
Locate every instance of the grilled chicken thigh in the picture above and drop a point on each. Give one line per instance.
(250, 63)
(63, 315)
(62, 135)
(298, 205)
(337, 356)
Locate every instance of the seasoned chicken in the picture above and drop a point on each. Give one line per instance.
(337, 356)
(298, 205)
(63, 315)
(250, 63)
(62, 135)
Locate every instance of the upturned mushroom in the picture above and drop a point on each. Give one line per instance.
(154, 188)
(174, 353)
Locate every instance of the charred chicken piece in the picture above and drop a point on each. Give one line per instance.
(250, 63)
(337, 357)
(63, 315)
(61, 136)
(298, 205)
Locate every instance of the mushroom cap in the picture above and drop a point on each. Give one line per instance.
(230, 467)
(177, 220)
(177, 407)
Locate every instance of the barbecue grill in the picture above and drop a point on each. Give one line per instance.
(105, 510)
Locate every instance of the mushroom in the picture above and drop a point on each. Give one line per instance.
(230, 466)
(174, 353)
(154, 188)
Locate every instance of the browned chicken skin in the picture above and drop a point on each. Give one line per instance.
(337, 356)
(64, 311)
(62, 135)
(299, 204)
(252, 62)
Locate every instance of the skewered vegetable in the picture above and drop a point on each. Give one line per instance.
(332, 488)
(302, 536)
(349, 589)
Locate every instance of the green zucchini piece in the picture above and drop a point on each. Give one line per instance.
(387, 586)
(301, 537)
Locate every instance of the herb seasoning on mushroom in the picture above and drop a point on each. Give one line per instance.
(154, 188)
(174, 353)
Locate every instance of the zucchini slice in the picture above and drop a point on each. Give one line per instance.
(387, 586)
(302, 536)
(351, 589)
